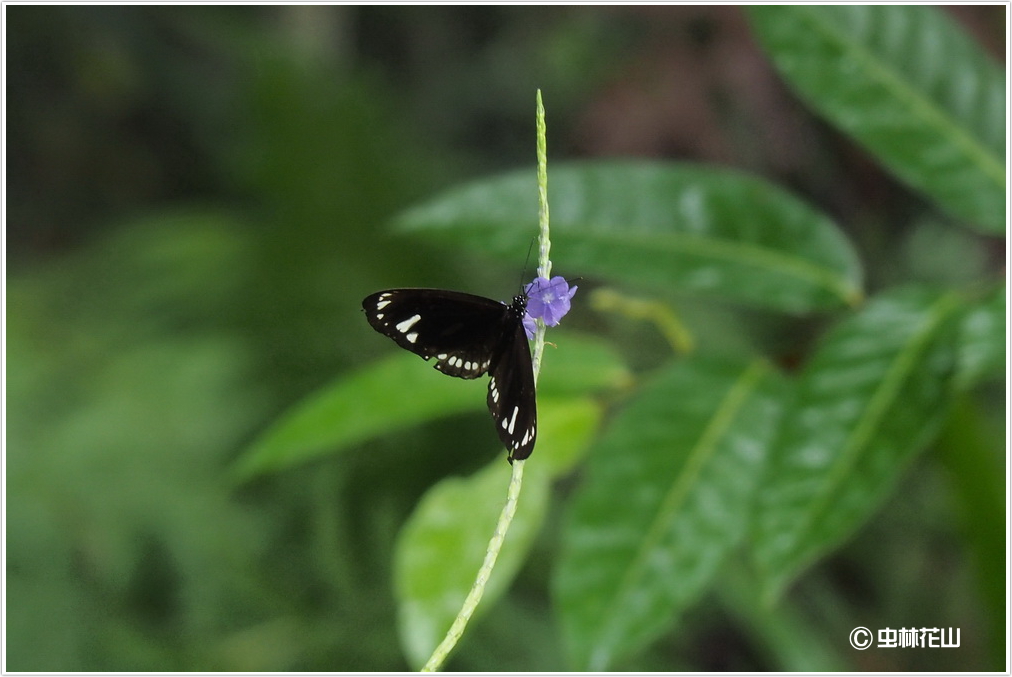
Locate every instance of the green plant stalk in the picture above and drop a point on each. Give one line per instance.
(660, 314)
(544, 241)
(456, 630)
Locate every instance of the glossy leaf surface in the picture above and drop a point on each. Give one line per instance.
(911, 86)
(651, 225)
(873, 394)
(982, 339)
(667, 495)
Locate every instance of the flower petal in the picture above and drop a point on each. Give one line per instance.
(549, 299)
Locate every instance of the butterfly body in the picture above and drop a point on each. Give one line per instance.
(468, 336)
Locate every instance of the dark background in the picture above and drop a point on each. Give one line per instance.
(196, 204)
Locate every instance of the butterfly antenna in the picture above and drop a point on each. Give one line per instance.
(523, 275)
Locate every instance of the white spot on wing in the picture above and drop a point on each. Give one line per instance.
(383, 302)
(513, 421)
(412, 337)
(403, 327)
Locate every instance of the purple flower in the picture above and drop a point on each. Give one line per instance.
(548, 300)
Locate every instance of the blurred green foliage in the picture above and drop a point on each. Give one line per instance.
(199, 197)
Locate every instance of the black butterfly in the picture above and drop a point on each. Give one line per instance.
(469, 336)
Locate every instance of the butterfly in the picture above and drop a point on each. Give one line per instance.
(468, 336)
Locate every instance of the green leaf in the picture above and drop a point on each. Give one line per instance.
(364, 404)
(577, 364)
(972, 448)
(667, 496)
(654, 225)
(982, 340)
(566, 427)
(907, 84)
(441, 548)
(873, 394)
(371, 402)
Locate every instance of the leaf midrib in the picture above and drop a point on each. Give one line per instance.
(676, 495)
(733, 251)
(878, 405)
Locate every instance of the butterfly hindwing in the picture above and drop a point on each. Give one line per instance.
(511, 398)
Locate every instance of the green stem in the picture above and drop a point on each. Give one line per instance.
(478, 589)
(516, 480)
(544, 241)
(660, 314)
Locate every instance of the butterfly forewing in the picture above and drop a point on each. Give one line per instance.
(468, 336)
(459, 330)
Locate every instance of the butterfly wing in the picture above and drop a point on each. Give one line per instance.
(461, 331)
(468, 336)
(511, 398)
